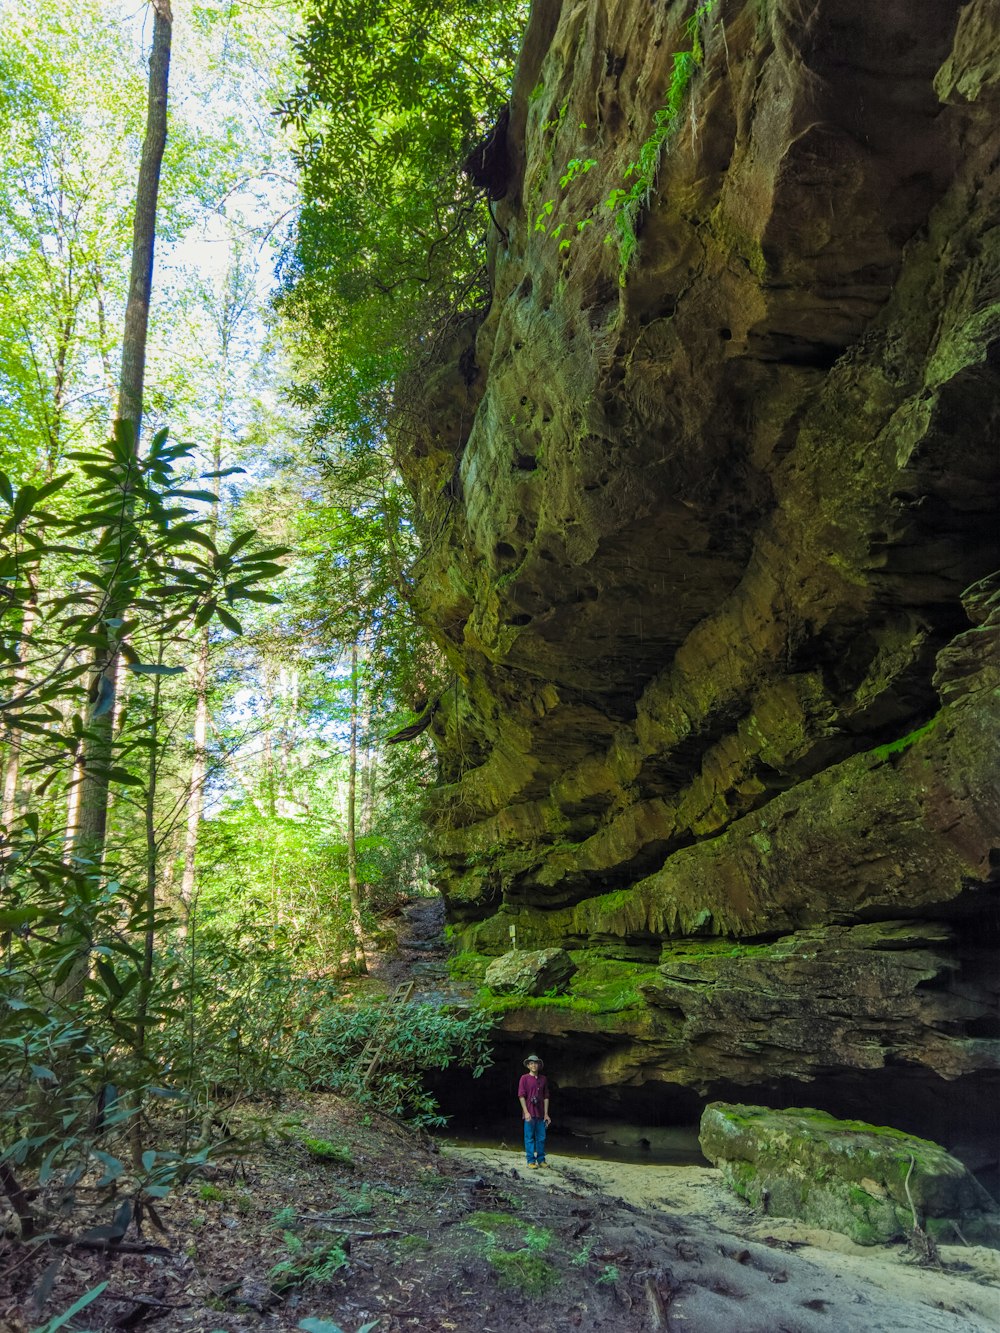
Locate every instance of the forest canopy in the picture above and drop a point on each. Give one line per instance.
(391, 236)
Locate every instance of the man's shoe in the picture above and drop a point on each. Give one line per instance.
(541, 1164)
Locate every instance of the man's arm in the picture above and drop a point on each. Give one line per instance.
(524, 1108)
(547, 1120)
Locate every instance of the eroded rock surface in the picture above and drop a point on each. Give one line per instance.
(710, 543)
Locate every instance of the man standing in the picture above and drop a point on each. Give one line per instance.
(533, 1094)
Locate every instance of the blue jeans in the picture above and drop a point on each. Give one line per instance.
(534, 1140)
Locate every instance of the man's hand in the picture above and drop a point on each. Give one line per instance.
(548, 1120)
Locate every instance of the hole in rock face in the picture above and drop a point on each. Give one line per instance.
(525, 462)
(726, 334)
(521, 619)
(504, 551)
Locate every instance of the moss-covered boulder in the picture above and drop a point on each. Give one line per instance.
(872, 1183)
(530, 972)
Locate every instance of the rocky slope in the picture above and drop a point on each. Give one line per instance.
(710, 542)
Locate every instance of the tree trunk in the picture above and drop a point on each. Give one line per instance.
(352, 845)
(133, 369)
(230, 312)
(199, 770)
(149, 933)
(93, 814)
(12, 772)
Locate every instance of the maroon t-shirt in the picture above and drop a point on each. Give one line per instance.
(534, 1089)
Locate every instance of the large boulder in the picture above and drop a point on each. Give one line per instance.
(872, 1183)
(530, 972)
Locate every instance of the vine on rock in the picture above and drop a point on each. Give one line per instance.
(625, 202)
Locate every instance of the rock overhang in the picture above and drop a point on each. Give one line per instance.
(706, 531)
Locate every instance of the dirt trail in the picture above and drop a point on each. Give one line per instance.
(421, 955)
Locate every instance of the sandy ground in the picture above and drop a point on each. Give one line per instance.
(850, 1286)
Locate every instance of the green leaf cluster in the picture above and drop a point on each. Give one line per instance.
(393, 96)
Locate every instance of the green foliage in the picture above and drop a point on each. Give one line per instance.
(82, 1014)
(904, 742)
(140, 565)
(308, 1265)
(524, 1271)
(418, 1038)
(392, 98)
(325, 1151)
(522, 1268)
(609, 1275)
(625, 203)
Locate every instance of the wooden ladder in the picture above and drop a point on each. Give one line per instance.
(374, 1048)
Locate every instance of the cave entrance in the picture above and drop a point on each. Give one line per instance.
(657, 1122)
(652, 1124)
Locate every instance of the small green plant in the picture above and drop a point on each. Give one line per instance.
(412, 1243)
(524, 1270)
(583, 1258)
(357, 1203)
(489, 1222)
(210, 1193)
(285, 1218)
(609, 1275)
(624, 203)
(326, 1151)
(306, 1267)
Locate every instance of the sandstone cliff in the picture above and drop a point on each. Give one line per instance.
(710, 542)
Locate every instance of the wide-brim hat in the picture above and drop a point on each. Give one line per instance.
(528, 1059)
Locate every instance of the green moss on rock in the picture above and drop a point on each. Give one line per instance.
(871, 1182)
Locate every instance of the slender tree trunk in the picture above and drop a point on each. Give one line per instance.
(133, 370)
(149, 934)
(352, 844)
(230, 312)
(270, 788)
(105, 347)
(370, 772)
(199, 770)
(73, 804)
(8, 812)
(93, 816)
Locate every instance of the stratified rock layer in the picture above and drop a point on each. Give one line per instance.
(710, 543)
